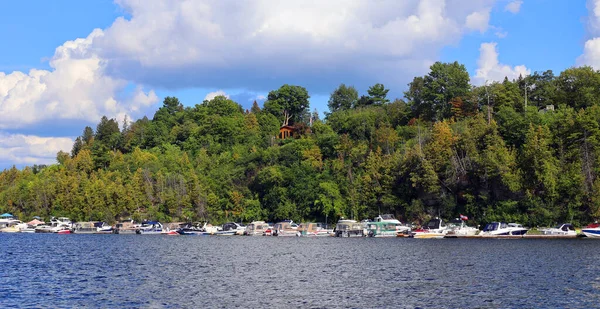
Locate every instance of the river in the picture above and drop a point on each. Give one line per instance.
(147, 271)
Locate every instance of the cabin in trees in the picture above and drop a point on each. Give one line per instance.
(286, 132)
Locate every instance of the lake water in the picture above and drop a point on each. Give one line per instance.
(144, 271)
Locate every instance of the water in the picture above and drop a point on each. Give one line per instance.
(137, 271)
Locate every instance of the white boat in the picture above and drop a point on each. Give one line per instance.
(231, 228)
(503, 229)
(57, 225)
(565, 229)
(13, 226)
(103, 228)
(592, 230)
(285, 228)
(349, 228)
(435, 228)
(150, 228)
(257, 228)
(311, 229)
(458, 227)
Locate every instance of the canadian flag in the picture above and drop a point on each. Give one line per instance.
(464, 218)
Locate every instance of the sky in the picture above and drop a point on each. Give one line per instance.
(64, 64)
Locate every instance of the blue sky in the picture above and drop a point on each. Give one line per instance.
(66, 63)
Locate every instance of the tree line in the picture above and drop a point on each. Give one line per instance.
(524, 150)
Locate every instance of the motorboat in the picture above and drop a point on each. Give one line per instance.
(458, 227)
(349, 228)
(128, 226)
(31, 225)
(435, 228)
(231, 228)
(257, 228)
(189, 228)
(311, 229)
(150, 228)
(389, 218)
(285, 228)
(13, 226)
(61, 224)
(386, 226)
(103, 228)
(503, 229)
(592, 230)
(565, 229)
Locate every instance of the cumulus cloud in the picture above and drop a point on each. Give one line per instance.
(591, 48)
(478, 21)
(30, 149)
(75, 88)
(212, 95)
(258, 45)
(514, 6)
(490, 69)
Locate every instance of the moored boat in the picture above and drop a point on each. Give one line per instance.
(503, 229)
(150, 228)
(231, 228)
(349, 228)
(565, 229)
(285, 228)
(592, 230)
(458, 228)
(435, 228)
(128, 226)
(256, 228)
(310, 229)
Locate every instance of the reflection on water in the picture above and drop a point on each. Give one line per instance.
(130, 271)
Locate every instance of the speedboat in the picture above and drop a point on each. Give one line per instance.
(256, 228)
(349, 228)
(435, 228)
(61, 224)
(313, 229)
(103, 228)
(13, 226)
(503, 229)
(150, 228)
(285, 228)
(458, 227)
(565, 229)
(191, 229)
(592, 230)
(231, 228)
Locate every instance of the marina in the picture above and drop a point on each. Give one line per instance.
(382, 226)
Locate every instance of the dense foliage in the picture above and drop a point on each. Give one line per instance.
(489, 152)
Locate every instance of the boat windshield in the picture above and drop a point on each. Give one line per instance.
(491, 227)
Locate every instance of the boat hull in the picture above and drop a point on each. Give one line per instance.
(591, 233)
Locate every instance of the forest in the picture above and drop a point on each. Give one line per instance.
(524, 150)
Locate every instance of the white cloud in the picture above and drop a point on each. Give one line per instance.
(490, 69)
(212, 95)
(514, 6)
(76, 88)
(260, 44)
(591, 48)
(29, 149)
(478, 21)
